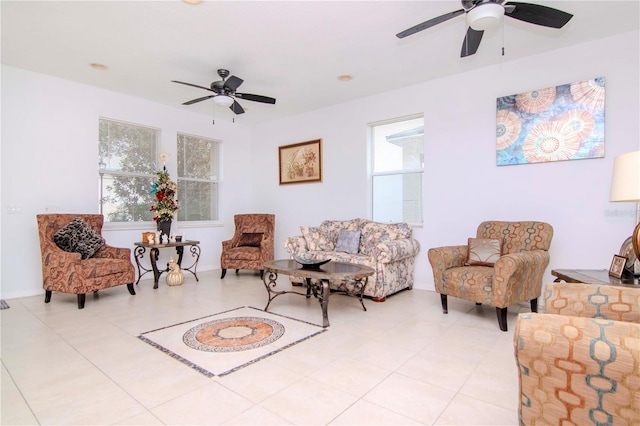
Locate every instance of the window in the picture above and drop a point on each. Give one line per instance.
(397, 149)
(198, 178)
(127, 165)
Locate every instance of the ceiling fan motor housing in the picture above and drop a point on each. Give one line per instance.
(485, 16)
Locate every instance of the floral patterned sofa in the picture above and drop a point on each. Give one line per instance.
(386, 247)
(579, 362)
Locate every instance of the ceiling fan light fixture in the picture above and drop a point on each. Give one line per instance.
(485, 16)
(223, 100)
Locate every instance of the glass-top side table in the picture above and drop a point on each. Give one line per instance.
(154, 252)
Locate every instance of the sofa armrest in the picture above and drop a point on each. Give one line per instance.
(593, 301)
(394, 250)
(564, 359)
(518, 276)
(296, 245)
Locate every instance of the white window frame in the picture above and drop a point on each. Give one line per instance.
(104, 170)
(373, 174)
(216, 180)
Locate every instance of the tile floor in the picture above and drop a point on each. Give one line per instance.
(400, 363)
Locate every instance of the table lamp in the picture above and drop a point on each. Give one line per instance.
(625, 186)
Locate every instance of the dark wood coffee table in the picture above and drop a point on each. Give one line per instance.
(592, 276)
(317, 280)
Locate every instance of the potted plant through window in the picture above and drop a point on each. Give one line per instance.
(164, 207)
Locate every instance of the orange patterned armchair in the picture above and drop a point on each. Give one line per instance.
(579, 363)
(251, 245)
(68, 272)
(513, 276)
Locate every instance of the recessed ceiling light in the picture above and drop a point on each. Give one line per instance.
(192, 1)
(345, 77)
(97, 66)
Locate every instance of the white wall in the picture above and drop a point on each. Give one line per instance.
(49, 161)
(462, 184)
(49, 156)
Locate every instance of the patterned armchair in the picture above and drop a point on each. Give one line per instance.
(251, 245)
(67, 272)
(515, 277)
(579, 363)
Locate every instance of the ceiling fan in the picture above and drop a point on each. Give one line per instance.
(225, 92)
(483, 14)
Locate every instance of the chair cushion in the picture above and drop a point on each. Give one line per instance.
(250, 239)
(348, 241)
(78, 237)
(483, 251)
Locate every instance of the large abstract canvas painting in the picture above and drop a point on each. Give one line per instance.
(555, 124)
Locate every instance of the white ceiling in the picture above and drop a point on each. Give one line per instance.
(290, 50)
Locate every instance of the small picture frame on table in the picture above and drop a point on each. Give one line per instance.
(617, 266)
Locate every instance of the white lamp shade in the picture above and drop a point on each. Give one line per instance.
(625, 183)
(223, 100)
(485, 16)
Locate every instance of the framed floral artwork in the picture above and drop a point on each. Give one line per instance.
(301, 162)
(558, 123)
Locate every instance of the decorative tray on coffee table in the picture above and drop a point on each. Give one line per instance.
(309, 263)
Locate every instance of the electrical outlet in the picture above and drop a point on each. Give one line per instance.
(14, 209)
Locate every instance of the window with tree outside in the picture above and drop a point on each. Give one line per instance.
(198, 178)
(397, 154)
(126, 168)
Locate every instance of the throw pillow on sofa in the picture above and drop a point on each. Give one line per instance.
(348, 241)
(78, 237)
(317, 238)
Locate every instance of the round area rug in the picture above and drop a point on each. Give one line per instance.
(233, 334)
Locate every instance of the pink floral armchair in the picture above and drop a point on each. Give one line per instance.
(67, 272)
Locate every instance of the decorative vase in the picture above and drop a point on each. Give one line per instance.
(165, 228)
(175, 275)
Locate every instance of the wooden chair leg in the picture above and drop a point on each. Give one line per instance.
(224, 272)
(47, 296)
(534, 305)
(443, 301)
(81, 298)
(502, 318)
(132, 291)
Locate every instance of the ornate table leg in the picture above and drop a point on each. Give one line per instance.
(360, 285)
(269, 280)
(154, 254)
(195, 252)
(139, 254)
(324, 302)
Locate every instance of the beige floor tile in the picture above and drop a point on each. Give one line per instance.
(383, 355)
(351, 376)
(467, 411)
(143, 419)
(411, 398)
(308, 402)
(13, 408)
(212, 404)
(261, 380)
(257, 415)
(367, 413)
